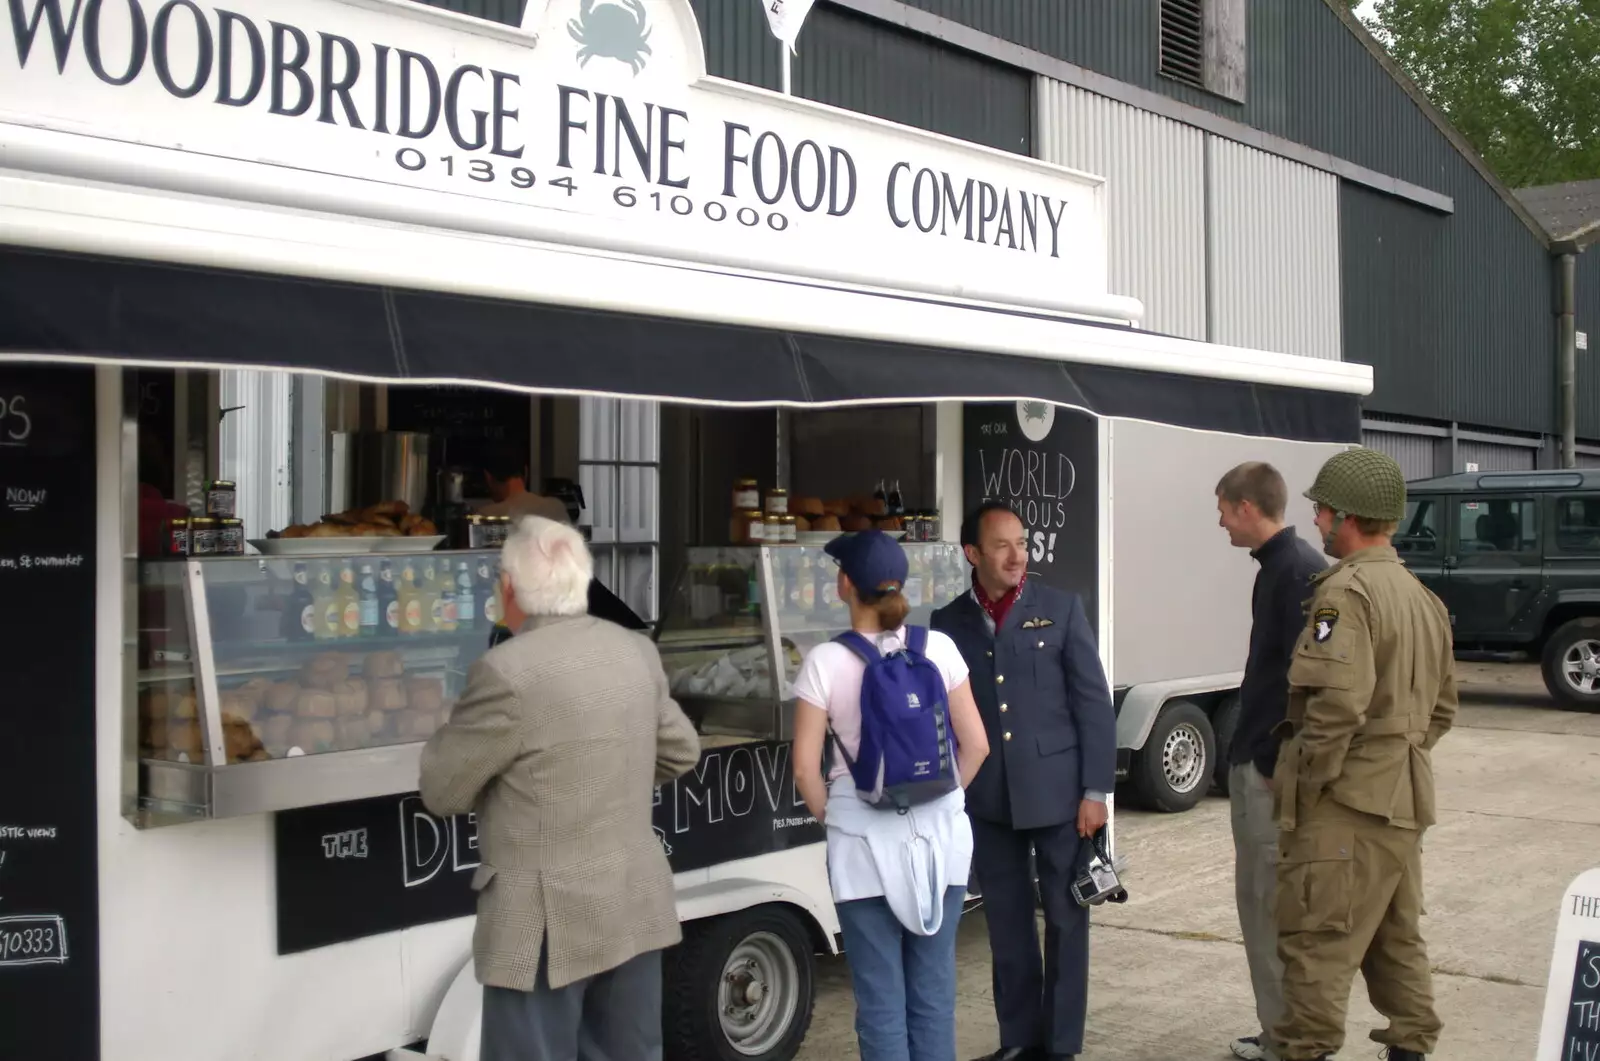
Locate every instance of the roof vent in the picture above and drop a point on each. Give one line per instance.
(1183, 41)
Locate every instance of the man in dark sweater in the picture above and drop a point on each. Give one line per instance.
(1250, 505)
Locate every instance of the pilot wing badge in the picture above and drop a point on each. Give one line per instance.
(1322, 624)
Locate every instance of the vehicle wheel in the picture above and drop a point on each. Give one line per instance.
(1224, 723)
(1571, 664)
(739, 988)
(1172, 772)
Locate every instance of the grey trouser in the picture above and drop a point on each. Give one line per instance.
(1255, 846)
(615, 1016)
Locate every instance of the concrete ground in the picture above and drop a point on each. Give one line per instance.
(1519, 795)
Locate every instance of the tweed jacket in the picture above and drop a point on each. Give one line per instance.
(557, 744)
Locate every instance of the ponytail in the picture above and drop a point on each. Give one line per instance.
(892, 608)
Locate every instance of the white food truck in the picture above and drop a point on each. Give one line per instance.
(280, 278)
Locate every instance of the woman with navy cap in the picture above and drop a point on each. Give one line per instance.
(898, 879)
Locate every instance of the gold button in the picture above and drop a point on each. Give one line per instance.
(999, 679)
(1002, 709)
(1008, 735)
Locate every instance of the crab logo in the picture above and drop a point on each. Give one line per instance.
(612, 30)
(1036, 419)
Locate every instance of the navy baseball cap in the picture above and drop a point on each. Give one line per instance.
(871, 560)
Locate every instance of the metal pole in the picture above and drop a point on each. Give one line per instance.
(784, 50)
(1568, 364)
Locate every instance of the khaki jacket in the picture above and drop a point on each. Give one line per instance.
(1371, 690)
(557, 744)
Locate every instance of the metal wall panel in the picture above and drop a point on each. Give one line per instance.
(1454, 318)
(1414, 453)
(1589, 360)
(1155, 198)
(1491, 457)
(1274, 260)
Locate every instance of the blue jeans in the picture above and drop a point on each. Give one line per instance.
(905, 984)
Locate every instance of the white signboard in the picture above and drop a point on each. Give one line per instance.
(1571, 1027)
(592, 123)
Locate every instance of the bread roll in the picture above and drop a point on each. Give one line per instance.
(312, 735)
(238, 705)
(387, 694)
(255, 690)
(316, 703)
(837, 507)
(275, 731)
(378, 724)
(384, 665)
(425, 694)
(238, 739)
(826, 523)
(325, 671)
(417, 725)
(855, 523)
(352, 698)
(183, 735)
(260, 755)
(186, 707)
(353, 733)
(282, 696)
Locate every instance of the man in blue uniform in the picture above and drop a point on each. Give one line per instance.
(1045, 702)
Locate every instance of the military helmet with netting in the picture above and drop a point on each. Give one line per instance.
(1361, 482)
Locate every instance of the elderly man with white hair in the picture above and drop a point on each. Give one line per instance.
(557, 743)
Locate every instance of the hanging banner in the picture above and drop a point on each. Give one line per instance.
(785, 17)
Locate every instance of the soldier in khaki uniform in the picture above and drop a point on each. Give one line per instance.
(1371, 691)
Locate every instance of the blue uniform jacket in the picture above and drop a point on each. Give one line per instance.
(1045, 703)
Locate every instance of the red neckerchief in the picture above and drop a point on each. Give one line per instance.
(997, 609)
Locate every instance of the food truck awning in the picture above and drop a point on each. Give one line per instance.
(101, 273)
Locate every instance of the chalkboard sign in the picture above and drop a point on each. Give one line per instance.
(1042, 460)
(48, 841)
(350, 870)
(1582, 1041)
(470, 420)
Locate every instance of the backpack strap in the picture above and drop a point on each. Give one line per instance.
(917, 639)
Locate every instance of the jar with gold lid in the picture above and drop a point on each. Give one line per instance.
(746, 495)
(777, 501)
(786, 530)
(756, 534)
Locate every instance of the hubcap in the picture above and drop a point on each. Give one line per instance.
(1183, 758)
(759, 994)
(1581, 667)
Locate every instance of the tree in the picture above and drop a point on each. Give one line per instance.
(1519, 78)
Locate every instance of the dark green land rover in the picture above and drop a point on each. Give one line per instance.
(1515, 556)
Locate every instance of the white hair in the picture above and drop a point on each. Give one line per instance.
(549, 566)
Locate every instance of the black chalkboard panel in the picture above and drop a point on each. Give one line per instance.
(1582, 1039)
(350, 870)
(48, 867)
(1043, 461)
(470, 420)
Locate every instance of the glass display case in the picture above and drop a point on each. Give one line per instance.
(270, 682)
(740, 619)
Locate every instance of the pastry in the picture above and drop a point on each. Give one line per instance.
(325, 671)
(282, 695)
(239, 705)
(316, 703)
(312, 735)
(260, 755)
(417, 725)
(186, 707)
(238, 739)
(353, 732)
(352, 698)
(384, 665)
(275, 731)
(183, 735)
(425, 694)
(378, 723)
(256, 691)
(825, 523)
(387, 694)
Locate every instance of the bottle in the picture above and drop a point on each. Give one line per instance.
(897, 502)
(410, 598)
(349, 600)
(388, 601)
(466, 600)
(299, 614)
(484, 600)
(428, 596)
(444, 588)
(370, 617)
(324, 606)
(808, 583)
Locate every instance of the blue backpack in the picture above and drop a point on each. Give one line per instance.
(908, 750)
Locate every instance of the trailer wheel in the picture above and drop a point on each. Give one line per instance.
(1224, 723)
(1570, 664)
(739, 988)
(1172, 772)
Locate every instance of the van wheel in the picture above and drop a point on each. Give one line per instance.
(1571, 664)
(1173, 771)
(1224, 723)
(739, 988)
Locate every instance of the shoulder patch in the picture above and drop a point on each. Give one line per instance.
(1322, 624)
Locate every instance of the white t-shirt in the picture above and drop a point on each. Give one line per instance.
(830, 677)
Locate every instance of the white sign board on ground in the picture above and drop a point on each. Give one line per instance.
(595, 119)
(1571, 1027)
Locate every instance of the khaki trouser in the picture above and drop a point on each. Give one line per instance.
(1255, 880)
(1350, 897)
